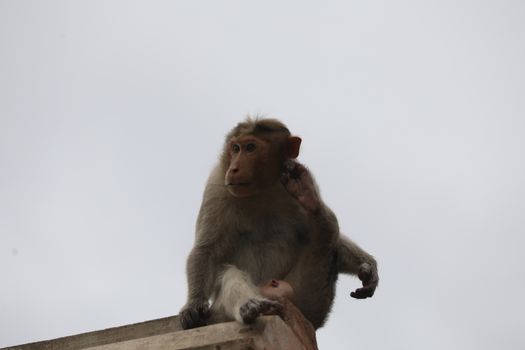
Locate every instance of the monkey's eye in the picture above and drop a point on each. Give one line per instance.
(236, 148)
(250, 147)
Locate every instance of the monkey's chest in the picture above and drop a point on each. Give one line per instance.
(270, 250)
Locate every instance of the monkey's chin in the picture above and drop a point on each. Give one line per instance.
(241, 191)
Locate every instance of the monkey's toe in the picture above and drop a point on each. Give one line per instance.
(268, 306)
(253, 308)
(250, 311)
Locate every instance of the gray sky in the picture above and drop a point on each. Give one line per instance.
(412, 115)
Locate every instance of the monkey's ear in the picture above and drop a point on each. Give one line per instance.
(293, 143)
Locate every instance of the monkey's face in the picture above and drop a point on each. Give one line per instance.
(254, 165)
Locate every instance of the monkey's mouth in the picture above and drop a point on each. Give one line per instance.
(238, 184)
(240, 189)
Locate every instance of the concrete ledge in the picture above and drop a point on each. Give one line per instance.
(269, 332)
(106, 336)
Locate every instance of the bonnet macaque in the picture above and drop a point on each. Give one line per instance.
(262, 218)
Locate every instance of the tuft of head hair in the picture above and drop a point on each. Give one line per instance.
(258, 126)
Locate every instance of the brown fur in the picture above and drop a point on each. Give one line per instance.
(280, 230)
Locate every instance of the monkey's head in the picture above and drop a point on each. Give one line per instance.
(254, 155)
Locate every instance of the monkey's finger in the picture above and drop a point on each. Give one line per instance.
(250, 311)
(190, 319)
(358, 295)
(204, 311)
(183, 322)
(363, 293)
(285, 178)
(291, 185)
(298, 171)
(289, 165)
(270, 305)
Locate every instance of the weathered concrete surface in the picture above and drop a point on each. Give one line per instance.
(106, 336)
(269, 332)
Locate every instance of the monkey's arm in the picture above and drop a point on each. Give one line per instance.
(354, 260)
(300, 184)
(351, 258)
(203, 264)
(196, 310)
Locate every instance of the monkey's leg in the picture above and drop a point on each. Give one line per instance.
(354, 260)
(239, 298)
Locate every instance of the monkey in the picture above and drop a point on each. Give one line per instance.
(262, 218)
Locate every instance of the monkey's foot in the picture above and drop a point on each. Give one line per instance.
(255, 307)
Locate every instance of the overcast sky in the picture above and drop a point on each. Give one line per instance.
(412, 115)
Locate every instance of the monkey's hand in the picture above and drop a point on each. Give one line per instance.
(255, 307)
(299, 183)
(368, 275)
(194, 314)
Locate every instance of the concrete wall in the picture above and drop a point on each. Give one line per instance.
(269, 332)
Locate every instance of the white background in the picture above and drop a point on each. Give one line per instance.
(412, 115)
